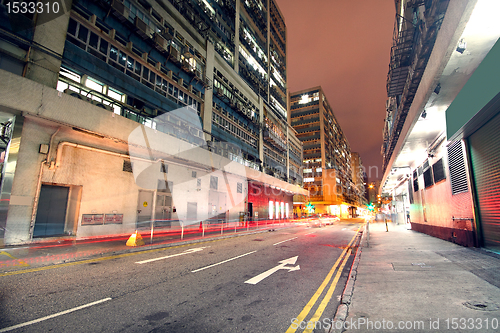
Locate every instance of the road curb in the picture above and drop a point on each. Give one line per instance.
(64, 258)
(343, 308)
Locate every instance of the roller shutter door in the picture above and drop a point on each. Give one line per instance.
(485, 157)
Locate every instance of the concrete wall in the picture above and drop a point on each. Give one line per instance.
(441, 206)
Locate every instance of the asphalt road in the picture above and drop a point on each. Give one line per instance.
(253, 283)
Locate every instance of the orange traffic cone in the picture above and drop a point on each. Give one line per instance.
(135, 240)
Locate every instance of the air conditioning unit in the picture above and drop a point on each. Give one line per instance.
(102, 105)
(142, 28)
(77, 95)
(160, 42)
(119, 10)
(174, 54)
(167, 34)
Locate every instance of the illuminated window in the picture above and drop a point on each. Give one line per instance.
(115, 94)
(286, 210)
(304, 99)
(307, 180)
(69, 74)
(277, 210)
(94, 85)
(271, 209)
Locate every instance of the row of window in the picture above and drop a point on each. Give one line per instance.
(87, 87)
(231, 128)
(274, 155)
(119, 59)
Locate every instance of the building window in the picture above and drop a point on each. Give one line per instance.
(239, 188)
(271, 209)
(428, 181)
(415, 181)
(193, 174)
(214, 182)
(438, 171)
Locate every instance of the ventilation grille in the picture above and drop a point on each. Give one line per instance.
(127, 166)
(456, 166)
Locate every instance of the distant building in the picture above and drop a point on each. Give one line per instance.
(358, 178)
(119, 114)
(441, 150)
(327, 154)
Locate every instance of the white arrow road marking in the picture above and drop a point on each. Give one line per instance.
(196, 249)
(283, 263)
(222, 262)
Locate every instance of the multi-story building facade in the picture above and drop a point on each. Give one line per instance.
(120, 114)
(327, 154)
(441, 143)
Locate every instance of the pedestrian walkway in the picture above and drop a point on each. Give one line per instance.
(409, 281)
(63, 250)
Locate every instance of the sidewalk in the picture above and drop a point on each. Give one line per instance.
(414, 282)
(63, 250)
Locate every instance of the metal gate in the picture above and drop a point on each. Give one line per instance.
(51, 212)
(484, 147)
(163, 210)
(144, 208)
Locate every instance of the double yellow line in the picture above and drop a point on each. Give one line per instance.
(321, 308)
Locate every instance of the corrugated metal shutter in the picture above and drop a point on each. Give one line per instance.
(485, 156)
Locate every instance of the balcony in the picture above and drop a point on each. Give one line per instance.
(273, 139)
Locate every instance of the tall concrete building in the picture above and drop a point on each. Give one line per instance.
(117, 115)
(441, 146)
(327, 154)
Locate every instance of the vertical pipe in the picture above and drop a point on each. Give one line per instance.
(152, 227)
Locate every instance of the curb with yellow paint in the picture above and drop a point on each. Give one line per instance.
(344, 256)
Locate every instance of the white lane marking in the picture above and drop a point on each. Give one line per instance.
(312, 232)
(6, 329)
(285, 240)
(222, 262)
(172, 255)
(282, 265)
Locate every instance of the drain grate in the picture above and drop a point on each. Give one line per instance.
(258, 240)
(482, 306)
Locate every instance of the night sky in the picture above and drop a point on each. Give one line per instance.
(344, 46)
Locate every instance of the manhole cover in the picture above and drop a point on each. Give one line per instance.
(482, 306)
